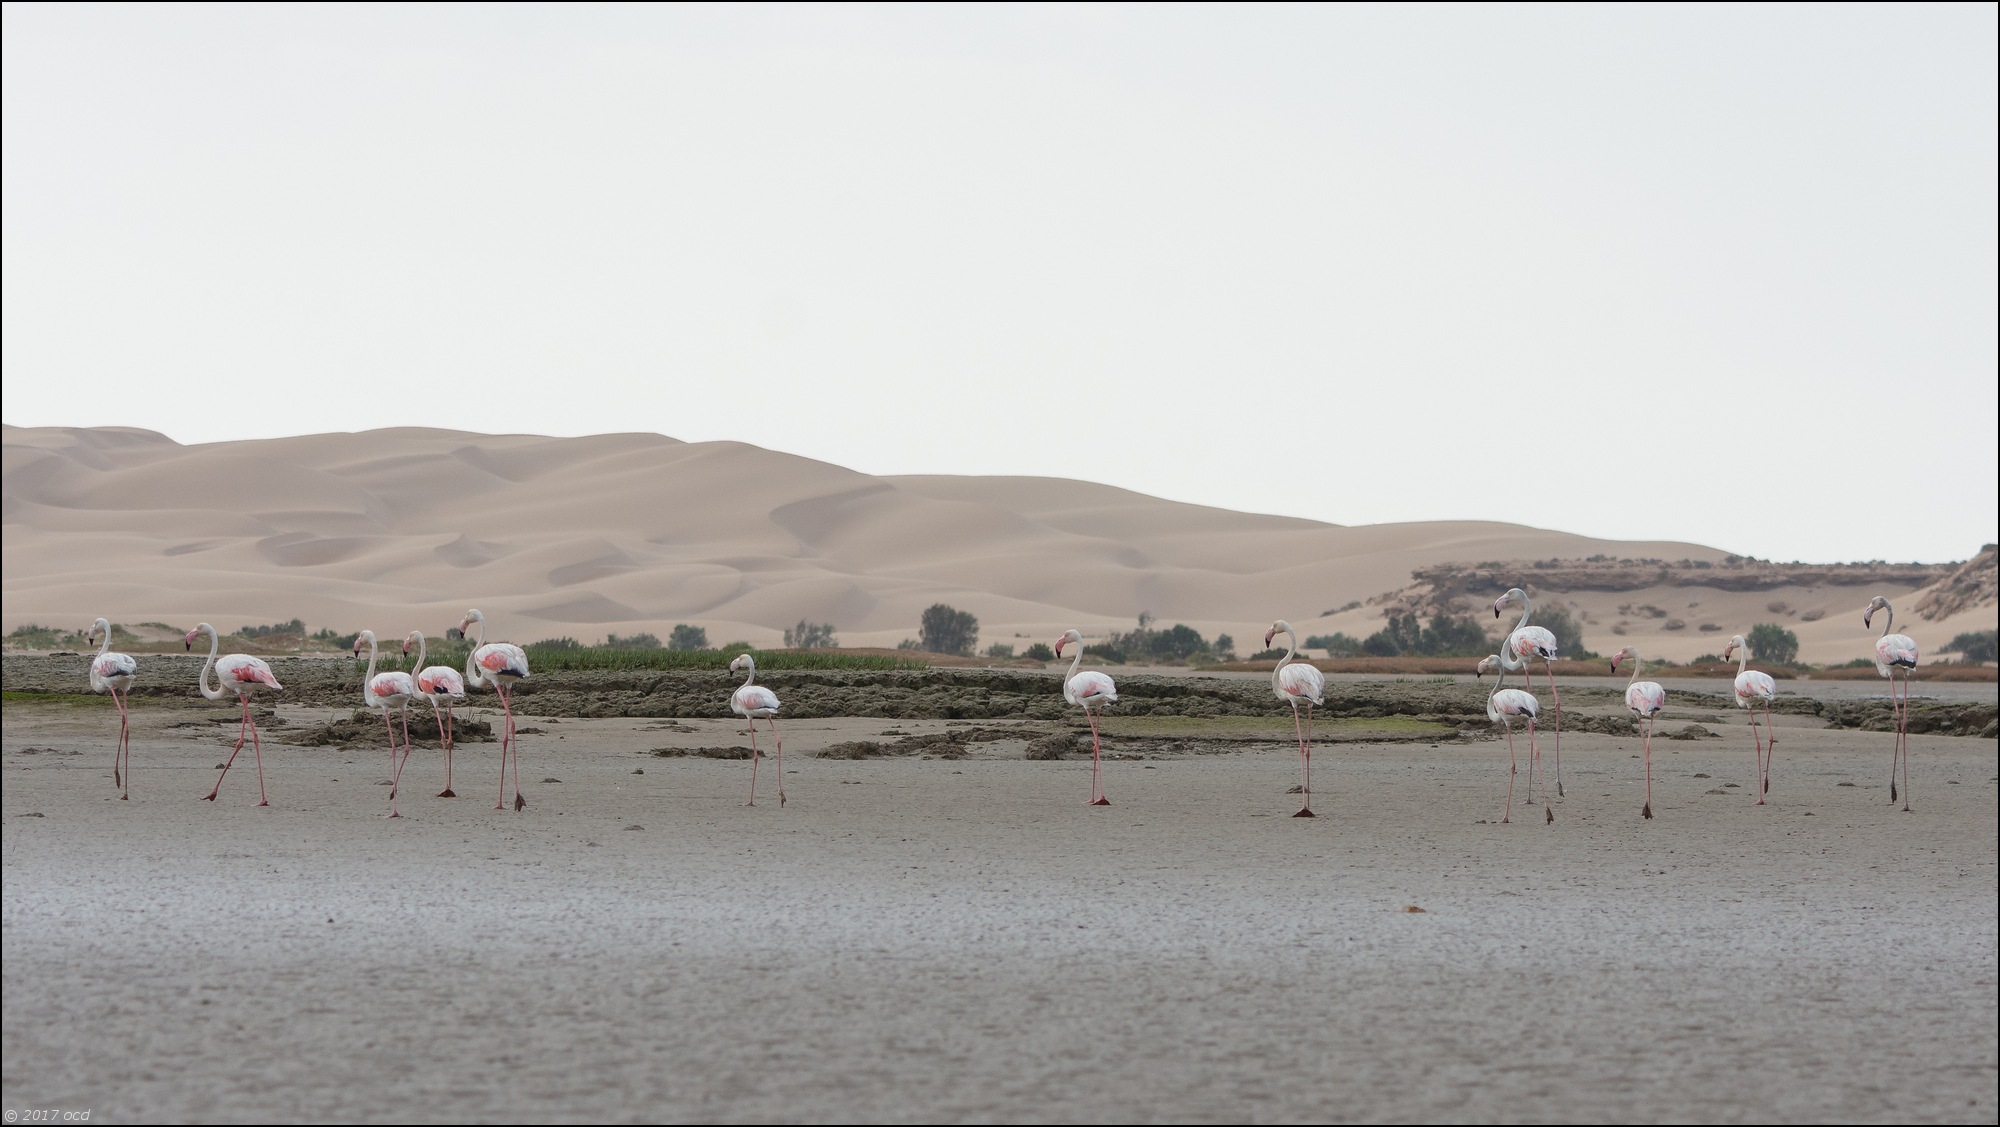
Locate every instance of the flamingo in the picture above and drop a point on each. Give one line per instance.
(241, 675)
(1090, 691)
(388, 692)
(754, 702)
(114, 673)
(498, 664)
(443, 687)
(1293, 683)
(1893, 652)
(1751, 687)
(1504, 707)
(1646, 699)
(1523, 645)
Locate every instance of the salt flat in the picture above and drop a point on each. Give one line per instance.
(914, 940)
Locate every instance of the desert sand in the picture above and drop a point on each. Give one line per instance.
(917, 940)
(401, 529)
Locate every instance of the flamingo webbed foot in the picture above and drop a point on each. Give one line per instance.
(1551, 816)
(1305, 812)
(1647, 812)
(1098, 802)
(210, 797)
(447, 793)
(264, 802)
(519, 803)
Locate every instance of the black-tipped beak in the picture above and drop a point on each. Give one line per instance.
(187, 645)
(1496, 612)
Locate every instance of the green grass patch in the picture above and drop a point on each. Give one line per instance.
(551, 660)
(47, 698)
(1264, 727)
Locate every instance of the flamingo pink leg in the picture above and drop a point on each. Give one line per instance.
(754, 756)
(1771, 751)
(1535, 753)
(396, 780)
(1647, 811)
(1534, 756)
(1903, 737)
(121, 760)
(243, 732)
(1305, 768)
(1513, 768)
(256, 748)
(444, 725)
(781, 757)
(1757, 739)
(1557, 698)
(1096, 776)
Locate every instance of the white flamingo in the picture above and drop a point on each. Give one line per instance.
(754, 702)
(1751, 687)
(1295, 682)
(443, 687)
(1893, 652)
(238, 675)
(500, 665)
(1504, 707)
(1090, 691)
(1646, 699)
(387, 692)
(114, 673)
(1525, 644)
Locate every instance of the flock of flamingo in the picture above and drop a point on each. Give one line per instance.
(499, 665)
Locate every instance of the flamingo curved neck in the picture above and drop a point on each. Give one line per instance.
(420, 650)
(1291, 647)
(1890, 623)
(1074, 662)
(1637, 664)
(214, 646)
(1527, 608)
(370, 675)
(1742, 659)
(473, 675)
(749, 670)
(105, 648)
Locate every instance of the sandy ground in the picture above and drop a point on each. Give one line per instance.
(913, 940)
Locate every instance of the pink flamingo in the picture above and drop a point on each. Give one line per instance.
(1525, 644)
(754, 702)
(388, 692)
(443, 687)
(114, 673)
(1090, 691)
(239, 675)
(1893, 652)
(1751, 687)
(1504, 707)
(1295, 682)
(1646, 699)
(499, 664)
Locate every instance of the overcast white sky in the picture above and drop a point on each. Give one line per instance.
(1723, 274)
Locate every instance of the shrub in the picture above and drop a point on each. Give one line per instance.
(1773, 643)
(1177, 643)
(811, 636)
(295, 626)
(1272, 654)
(1446, 636)
(1040, 651)
(1335, 644)
(1000, 649)
(1569, 634)
(687, 637)
(632, 641)
(563, 643)
(1978, 645)
(948, 630)
(1111, 655)
(1225, 647)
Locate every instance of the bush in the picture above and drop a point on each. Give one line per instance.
(810, 636)
(563, 643)
(1000, 649)
(1446, 636)
(1336, 644)
(295, 626)
(1110, 655)
(1040, 651)
(632, 641)
(1568, 632)
(948, 630)
(1976, 646)
(1225, 647)
(1773, 643)
(1177, 644)
(1272, 654)
(687, 637)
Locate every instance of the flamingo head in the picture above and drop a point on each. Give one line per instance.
(1621, 655)
(1501, 602)
(1281, 624)
(1487, 665)
(1874, 604)
(742, 662)
(188, 641)
(366, 637)
(1735, 643)
(98, 627)
(1068, 637)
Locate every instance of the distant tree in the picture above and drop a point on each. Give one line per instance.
(687, 637)
(1976, 646)
(1000, 649)
(1336, 644)
(1040, 651)
(1569, 633)
(731, 649)
(1773, 643)
(1225, 647)
(948, 630)
(909, 644)
(563, 643)
(1447, 636)
(810, 636)
(632, 642)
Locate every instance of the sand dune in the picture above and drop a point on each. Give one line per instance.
(403, 528)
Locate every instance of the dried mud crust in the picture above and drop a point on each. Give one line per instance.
(365, 728)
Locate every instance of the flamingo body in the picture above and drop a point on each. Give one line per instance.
(1090, 691)
(754, 702)
(1300, 683)
(499, 665)
(1892, 652)
(114, 673)
(240, 676)
(1512, 704)
(1533, 642)
(1751, 687)
(1895, 651)
(1646, 699)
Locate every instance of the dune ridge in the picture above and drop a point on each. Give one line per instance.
(407, 527)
